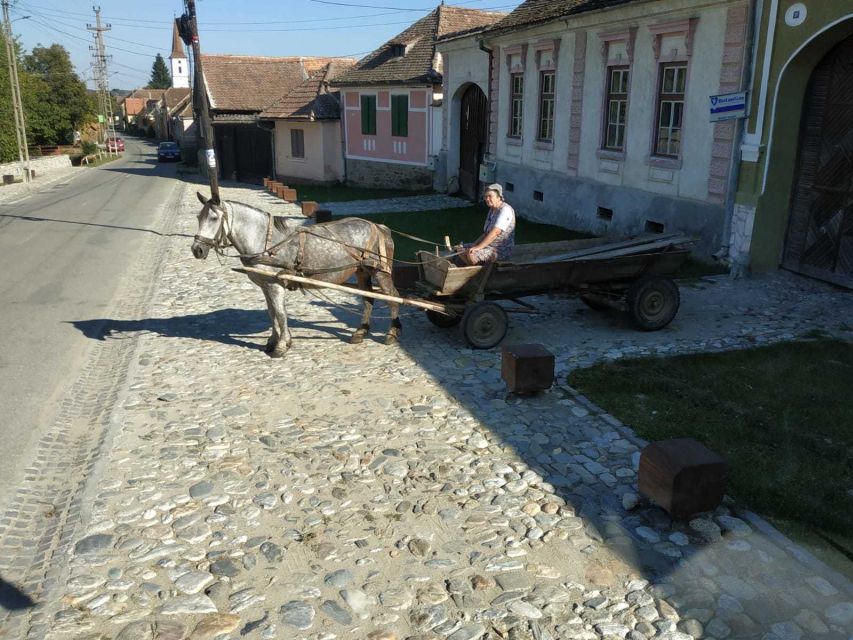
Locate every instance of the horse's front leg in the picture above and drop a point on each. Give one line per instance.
(386, 285)
(280, 340)
(272, 341)
(358, 335)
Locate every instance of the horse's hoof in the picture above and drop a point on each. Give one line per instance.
(391, 339)
(356, 338)
(277, 354)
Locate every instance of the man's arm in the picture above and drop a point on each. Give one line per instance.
(486, 239)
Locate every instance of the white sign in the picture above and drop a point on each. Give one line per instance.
(796, 15)
(728, 106)
(211, 158)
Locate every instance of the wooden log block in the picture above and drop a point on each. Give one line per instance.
(8, 178)
(279, 190)
(682, 476)
(309, 207)
(527, 368)
(322, 215)
(289, 194)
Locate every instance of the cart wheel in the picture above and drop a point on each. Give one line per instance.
(593, 303)
(484, 325)
(653, 302)
(443, 320)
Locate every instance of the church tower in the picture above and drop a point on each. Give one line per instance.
(178, 58)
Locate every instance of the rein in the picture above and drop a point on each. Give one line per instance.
(221, 241)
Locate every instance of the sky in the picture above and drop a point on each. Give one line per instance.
(139, 30)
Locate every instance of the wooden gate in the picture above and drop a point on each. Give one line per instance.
(820, 231)
(473, 139)
(244, 152)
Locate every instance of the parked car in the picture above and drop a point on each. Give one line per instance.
(115, 144)
(168, 151)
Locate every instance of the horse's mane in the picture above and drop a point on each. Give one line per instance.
(279, 222)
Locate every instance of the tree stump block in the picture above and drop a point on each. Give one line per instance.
(8, 178)
(309, 207)
(322, 215)
(288, 194)
(682, 476)
(527, 368)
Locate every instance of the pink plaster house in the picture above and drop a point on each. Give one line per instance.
(391, 103)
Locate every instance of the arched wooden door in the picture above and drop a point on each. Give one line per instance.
(473, 136)
(820, 230)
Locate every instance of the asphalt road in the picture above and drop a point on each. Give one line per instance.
(63, 251)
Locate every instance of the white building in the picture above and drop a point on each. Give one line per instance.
(598, 113)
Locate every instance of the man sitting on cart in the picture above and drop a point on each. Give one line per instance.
(498, 237)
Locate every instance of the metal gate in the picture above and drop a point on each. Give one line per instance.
(820, 231)
(473, 139)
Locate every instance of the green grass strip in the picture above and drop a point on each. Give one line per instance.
(782, 416)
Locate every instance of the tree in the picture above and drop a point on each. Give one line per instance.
(55, 99)
(160, 78)
(8, 141)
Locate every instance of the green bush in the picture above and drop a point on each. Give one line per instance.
(88, 148)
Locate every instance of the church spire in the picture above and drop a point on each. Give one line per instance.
(178, 58)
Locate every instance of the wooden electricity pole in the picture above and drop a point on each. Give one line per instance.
(201, 93)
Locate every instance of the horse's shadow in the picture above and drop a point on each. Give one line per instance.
(237, 327)
(12, 598)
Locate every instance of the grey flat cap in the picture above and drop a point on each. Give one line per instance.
(498, 189)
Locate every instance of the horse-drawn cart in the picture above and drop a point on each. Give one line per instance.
(630, 276)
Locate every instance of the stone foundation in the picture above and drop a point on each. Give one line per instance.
(609, 210)
(387, 175)
(743, 219)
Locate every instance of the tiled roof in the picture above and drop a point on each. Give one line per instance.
(417, 65)
(539, 11)
(185, 110)
(252, 83)
(174, 96)
(146, 94)
(312, 99)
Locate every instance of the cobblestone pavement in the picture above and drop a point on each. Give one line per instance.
(430, 202)
(365, 491)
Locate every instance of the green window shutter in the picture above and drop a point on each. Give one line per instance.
(368, 115)
(400, 116)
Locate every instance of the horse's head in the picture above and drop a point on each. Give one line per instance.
(212, 227)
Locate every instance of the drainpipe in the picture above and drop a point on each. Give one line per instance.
(491, 52)
(343, 120)
(722, 253)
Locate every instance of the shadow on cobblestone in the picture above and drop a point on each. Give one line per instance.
(12, 598)
(228, 326)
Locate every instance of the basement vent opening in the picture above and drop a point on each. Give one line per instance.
(654, 227)
(538, 196)
(509, 187)
(605, 214)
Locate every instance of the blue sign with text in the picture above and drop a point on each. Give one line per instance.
(728, 106)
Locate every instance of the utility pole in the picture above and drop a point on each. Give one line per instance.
(189, 33)
(17, 103)
(105, 103)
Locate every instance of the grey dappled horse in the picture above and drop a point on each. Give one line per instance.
(330, 252)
